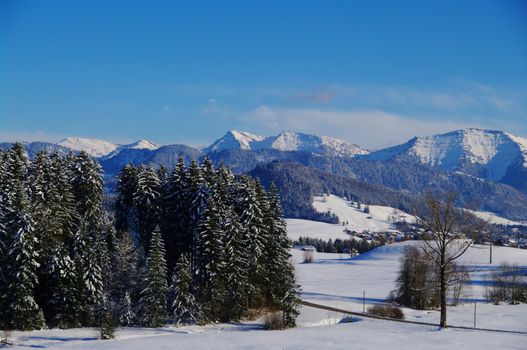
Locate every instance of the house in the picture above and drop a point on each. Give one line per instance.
(309, 248)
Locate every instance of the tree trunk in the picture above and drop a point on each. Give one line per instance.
(442, 321)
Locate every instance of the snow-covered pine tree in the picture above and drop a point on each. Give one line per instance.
(251, 219)
(283, 291)
(125, 275)
(147, 203)
(185, 309)
(212, 264)
(22, 256)
(175, 221)
(87, 182)
(209, 174)
(154, 295)
(25, 313)
(54, 212)
(235, 271)
(197, 196)
(89, 277)
(127, 315)
(66, 299)
(125, 216)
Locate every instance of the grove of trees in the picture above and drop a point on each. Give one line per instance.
(196, 244)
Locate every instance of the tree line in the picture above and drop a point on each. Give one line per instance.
(197, 244)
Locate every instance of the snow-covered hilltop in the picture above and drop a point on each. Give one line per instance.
(94, 147)
(286, 141)
(101, 148)
(489, 152)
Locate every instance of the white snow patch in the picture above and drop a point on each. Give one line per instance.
(495, 219)
(94, 147)
(379, 219)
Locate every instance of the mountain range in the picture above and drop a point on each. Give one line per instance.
(485, 167)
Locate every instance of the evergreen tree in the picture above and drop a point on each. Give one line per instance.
(251, 219)
(185, 309)
(197, 196)
(154, 295)
(25, 312)
(22, 308)
(236, 257)
(127, 315)
(147, 204)
(125, 215)
(125, 262)
(66, 297)
(212, 264)
(175, 222)
(282, 288)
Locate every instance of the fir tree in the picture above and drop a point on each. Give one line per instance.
(20, 257)
(66, 297)
(26, 313)
(251, 219)
(175, 222)
(154, 295)
(211, 264)
(125, 215)
(235, 273)
(127, 315)
(23, 309)
(184, 306)
(282, 288)
(147, 203)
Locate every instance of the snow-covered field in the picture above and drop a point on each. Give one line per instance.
(379, 219)
(336, 280)
(492, 218)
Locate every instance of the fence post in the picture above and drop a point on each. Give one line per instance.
(364, 302)
(475, 314)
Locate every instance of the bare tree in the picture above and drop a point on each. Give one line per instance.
(450, 233)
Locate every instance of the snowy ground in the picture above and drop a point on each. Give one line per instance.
(337, 280)
(379, 218)
(497, 220)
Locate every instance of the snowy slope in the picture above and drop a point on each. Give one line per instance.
(379, 219)
(491, 152)
(286, 141)
(297, 228)
(492, 218)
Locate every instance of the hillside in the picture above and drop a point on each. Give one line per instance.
(488, 169)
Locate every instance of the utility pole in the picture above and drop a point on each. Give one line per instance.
(490, 252)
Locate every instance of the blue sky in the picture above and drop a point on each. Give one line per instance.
(371, 72)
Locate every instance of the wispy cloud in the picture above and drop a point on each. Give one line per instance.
(368, 128)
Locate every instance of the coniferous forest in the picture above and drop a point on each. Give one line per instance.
(196, 244)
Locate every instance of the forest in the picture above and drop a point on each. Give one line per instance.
(196, 244)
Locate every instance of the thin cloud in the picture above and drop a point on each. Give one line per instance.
(368, 128)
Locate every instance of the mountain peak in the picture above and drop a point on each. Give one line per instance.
(142, 144)
(285, 141)
(481, 152)
(94, 147)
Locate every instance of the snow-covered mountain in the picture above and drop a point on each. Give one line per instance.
(286, 141)
(101, 148)
(487, 154)
(94, 147)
